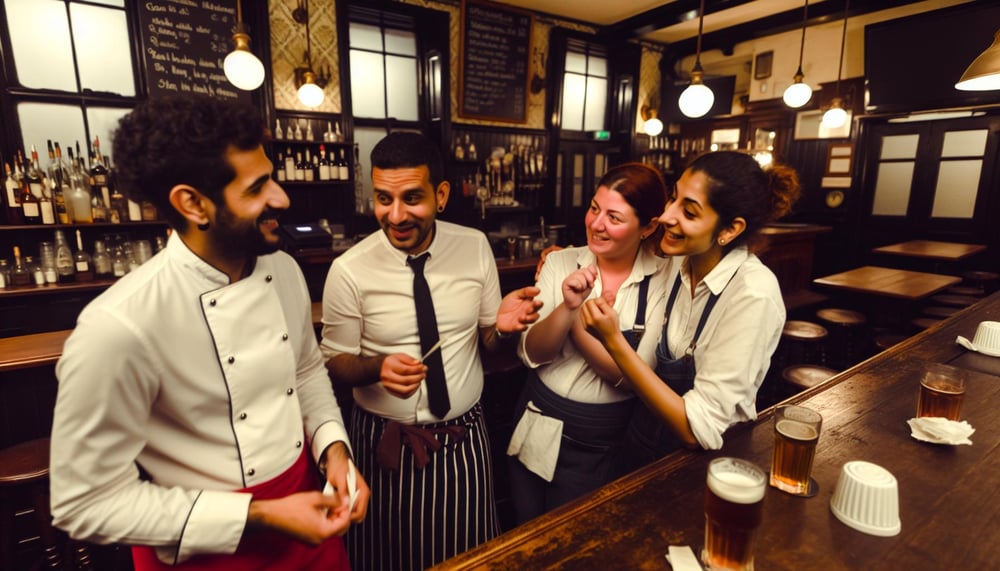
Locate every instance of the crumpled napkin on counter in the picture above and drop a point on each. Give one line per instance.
(940, 430)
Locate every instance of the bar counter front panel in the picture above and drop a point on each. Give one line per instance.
(949, 495)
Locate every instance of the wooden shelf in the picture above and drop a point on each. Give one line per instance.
(75, 287)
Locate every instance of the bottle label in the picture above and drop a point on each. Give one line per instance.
(82, 266)
(12, 200)
(48, 214)
(31, 209)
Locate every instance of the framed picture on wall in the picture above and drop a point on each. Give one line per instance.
(809, 125)
(762, 65)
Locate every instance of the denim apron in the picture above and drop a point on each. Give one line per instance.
(648, 437)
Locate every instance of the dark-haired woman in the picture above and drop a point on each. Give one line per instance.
(573, 411)
(724, 308)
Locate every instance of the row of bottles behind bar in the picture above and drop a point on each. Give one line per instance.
(56, 262)
(67, 192)
(313, 165)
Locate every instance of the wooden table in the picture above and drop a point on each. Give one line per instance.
(942, 251)
(889, 282)
(949, 506)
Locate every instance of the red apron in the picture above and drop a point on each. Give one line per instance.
(263, 549)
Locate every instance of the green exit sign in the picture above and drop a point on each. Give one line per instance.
(601, 135)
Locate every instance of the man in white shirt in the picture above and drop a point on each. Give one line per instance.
(429, 467)
(193, 400)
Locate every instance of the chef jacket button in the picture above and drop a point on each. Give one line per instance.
(284, 337)
(251, 472)
(243, 416)
(232, 359)
(212, 302)
(268, 278)
(290, 391)
(298, 444)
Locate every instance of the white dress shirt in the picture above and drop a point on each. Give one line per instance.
(569, 375)
(210, 386)
(735, 347)
(368, 309)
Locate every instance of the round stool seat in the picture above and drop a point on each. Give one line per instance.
(803, 330)
(954, 300)
(806, 376)
(924, 322)
(838, 316)
(940, 311)
(966, 290)
(986, 281)
(24, 462)
(886, 340)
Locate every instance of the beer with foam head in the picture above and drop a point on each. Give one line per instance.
(796, 432)
(734, 501)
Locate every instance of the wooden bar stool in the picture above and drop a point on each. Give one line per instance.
(921, 323)
(848, 335)
(885, 340)
(954, 300)
(986, 281)
(24, 471)
(940, 311)
(971, 291)
(797, 378)
(802, 342)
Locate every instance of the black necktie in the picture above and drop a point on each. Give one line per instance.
(427, 326)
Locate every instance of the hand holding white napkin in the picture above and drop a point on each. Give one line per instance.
(352, 485)
(940, 430)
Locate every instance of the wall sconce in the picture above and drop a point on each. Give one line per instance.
(983, 73)
(538, 81)
(836, 115)
(310, 85)
(651, 123)
(698, 98)
(243, 69)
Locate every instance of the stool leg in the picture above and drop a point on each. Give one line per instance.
(51, 546)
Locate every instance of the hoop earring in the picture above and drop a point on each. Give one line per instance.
(203, 226)
(441, 208)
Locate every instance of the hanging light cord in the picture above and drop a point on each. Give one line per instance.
(701, 21)
(802, 46)
(308, 43)
(843, 42)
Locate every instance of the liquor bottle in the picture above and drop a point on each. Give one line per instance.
(19, 274)
(470, 148)
(36, 180)
(278, 133)
(101, 261)
(338, 136)
(343, 167)
(59, 183)
(12, 197)
(298, 131)
(64, 258)
(300, 172)
(82, 262)
(328, 134)
(119, 264)
(97, 208)
(308, 173)
(279, 169)
(118, 212)
(309, 131)
(4, 273)
(78, 196)
(458, 149)
(289, 165)
(148, 211)
(31, 210)
(324, 164)
(35, 269)
(99, 176)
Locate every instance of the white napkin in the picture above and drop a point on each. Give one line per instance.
(536, 440)
(681, 558)
(352, 484)
(940, 430)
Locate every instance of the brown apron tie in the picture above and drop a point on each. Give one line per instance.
(421, 440)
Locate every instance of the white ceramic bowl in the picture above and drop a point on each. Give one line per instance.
(987, 339)
(867, 499)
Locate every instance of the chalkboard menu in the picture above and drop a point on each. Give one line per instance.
(493, 74)
(184, 43)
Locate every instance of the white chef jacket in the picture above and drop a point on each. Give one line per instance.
(735, 347)
(569, 375)
(210, 386)
(368, 309)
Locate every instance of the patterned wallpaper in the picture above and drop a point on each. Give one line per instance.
(288, 47)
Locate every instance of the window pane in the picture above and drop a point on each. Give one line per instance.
(102, 49)
(597, 66)
(401, 79)
(957, 187)
(118, 3)
(597, 102)
(892, 189)
(574, 90)
(43, 121)
(43, 60)
(576, 63)
(103, 121)
(366, 37)
(964, 143)
(400, 42)
(899, 147)
(367, 87)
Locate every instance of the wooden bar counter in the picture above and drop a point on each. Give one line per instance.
(948, 494)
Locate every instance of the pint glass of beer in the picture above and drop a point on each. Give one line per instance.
(734, 501)
(796, 432)
(942, 390)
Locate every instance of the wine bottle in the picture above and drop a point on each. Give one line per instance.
(82, 262)
(278, 133)
(31, 210)
(324, 164)
(289, 165)
(307, 168)
(343, 167)
(12, 197)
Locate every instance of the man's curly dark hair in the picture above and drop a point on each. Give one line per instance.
(182, 139)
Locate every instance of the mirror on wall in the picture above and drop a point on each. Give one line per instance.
(725, 139)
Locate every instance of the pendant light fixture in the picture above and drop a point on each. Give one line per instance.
(651, 123)
(310, 92)
(984, 71)
(798, 93)
(241, 66)
(836, 116)
(698, 98)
